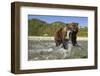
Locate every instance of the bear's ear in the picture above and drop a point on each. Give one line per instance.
(74, 23)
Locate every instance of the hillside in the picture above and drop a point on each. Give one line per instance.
(38, 27)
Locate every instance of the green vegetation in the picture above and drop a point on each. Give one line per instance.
(37, 27)
(83, 32)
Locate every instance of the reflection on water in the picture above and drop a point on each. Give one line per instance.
(46, 50)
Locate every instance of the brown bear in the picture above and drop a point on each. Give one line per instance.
(61, 34)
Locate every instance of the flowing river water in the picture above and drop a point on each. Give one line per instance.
(46, 50)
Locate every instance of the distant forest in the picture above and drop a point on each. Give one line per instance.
(38, 27)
